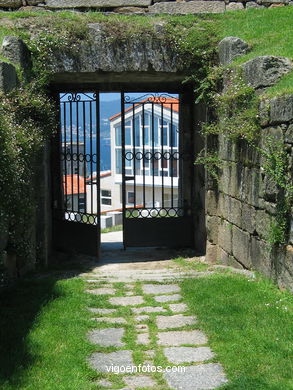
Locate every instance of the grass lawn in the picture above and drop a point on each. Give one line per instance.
(116, 228)
(250, 327)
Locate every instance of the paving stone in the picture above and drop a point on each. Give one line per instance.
(129, 293)
(178, 355)
(143, 317)
(178, 307)
(200, 377)
(111, 320)
(95, 3)
(109, 337)
(176, 321)
(190, 7)
(101, 291)
(102, 361)
(142, 328)
(168, 298)
(176, 338)
(139, 381)
(104, 382)
(102, 311)
(149, 309)
(160, 288)
(143, 338)
(126, 301)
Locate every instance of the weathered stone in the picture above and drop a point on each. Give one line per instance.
(211, 202)
(175, 321)
(177, 338)
(211, 253)
(168, 298)
(264, 71)
(102, 362)
(227, 148)
(16, 51)
(143, 338)
(200, 377)
(126, 301)
(8, 77)
(105, 383)
(101, 291)
(230, 209)
(270, 207)
(285, 277)
(261, 257)
(231, 179)
(234, 6)
(251, 186)
(160, 288)
(281, 109)
(178, 307)
(231, 48)
(273, 1)
(248, 217)
(269, 189)
(96, 3)
(291, 229)
(137, 381)
(252, 4)
(190, 7)
(226, 259)
(142, 328)
(241, 242)
(148, 309)
(178, 355)
(111, 320)
(263, 222)
(10, 3)
(264, 112)
(212, 227)
(225, 236)
(142, 318)
(289, 134)
(130, 10)
(109, 337)
(102, 311)
(35, 2)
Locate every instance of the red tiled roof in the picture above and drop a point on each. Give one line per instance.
(168, 103)
(102, 174)
(71, 184)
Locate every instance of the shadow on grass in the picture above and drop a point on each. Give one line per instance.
(20, 306)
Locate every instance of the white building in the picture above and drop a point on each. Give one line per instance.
(152, 160)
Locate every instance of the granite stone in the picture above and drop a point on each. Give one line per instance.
(176, 321)
(160, 288)
(126, 301)
(178, 307)
(109, 337)
(101, 362)
(176, 338)
(168, 298)
(178, 355)
(148, 309)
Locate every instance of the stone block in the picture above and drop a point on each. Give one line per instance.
(251, 184)
(211, 202)
(231, 180)
(226, 259)
(8, 77)
(261, 257)
(10, 3)
(231, 48)
(264, 112)
(264, 71)
(240, 247)
(96, 3)
(291, 230)
(252, 4)
(225, 236)
(17, 52)
(35, 2)
(248, 217)
(270, 207)
(190, 7)
(289, 134)
(230, 209)
(269, 189)
(281, 109)
(211, 253)
(212, 224)
(227, 148)
(234, 6)
(285, 265)
(263, 222)
(130, 10)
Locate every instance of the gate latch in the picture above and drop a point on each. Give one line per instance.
(127, 178)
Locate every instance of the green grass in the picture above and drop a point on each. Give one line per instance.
(42, 340)
(250, 327)
(116, 228)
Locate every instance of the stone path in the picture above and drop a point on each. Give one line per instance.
(152, 331)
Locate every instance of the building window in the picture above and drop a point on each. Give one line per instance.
(106, 197)
(130, 197)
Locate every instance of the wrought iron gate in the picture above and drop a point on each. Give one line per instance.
(155, 211)
(76, 174)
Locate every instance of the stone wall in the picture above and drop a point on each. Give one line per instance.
(242, 205)
(141, 6)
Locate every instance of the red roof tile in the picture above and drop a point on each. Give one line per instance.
(73, 183)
